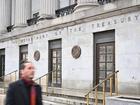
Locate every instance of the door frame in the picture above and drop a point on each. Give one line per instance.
(2, 56)
(106, 71)
(101, 37)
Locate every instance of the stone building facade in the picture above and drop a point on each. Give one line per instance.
(83, 40)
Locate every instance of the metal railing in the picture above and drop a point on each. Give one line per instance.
(65, 11)
(44, 82)
(102, 2)
(70, 9)
(103, 83)
(32, 21)
(6, 79)
(12, 76)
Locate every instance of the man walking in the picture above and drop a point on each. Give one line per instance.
(24, 91)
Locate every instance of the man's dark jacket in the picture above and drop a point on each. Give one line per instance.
(17, 94)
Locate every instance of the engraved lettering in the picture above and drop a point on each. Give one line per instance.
(55, 33)
(75, 30)
(92, 25)
(79, 28)
(129, 19)
(98, 25)
(136, 17)
(31, 38)
(60, 32)
(21, 41)
(122, 20)
(115, 21)
(103, 24)
(109, 23)
(70, 30)
(43, 36)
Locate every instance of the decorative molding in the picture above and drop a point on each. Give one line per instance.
(79, 18)
(36, 55)
(76, 51)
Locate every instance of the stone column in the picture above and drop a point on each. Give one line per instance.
(13, 12)
(47, 8)
(4, 15)
(64, 3)
(85, 4)
(22, 13)
(72, 2)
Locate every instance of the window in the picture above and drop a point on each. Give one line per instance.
(2, 63)
(55, 64)
(23, 53)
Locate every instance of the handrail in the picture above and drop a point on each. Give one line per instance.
(44, 75)
(8, 74)
(102, 2)
(46, 82)
(103, 82)
(4, 78)
(40, 77)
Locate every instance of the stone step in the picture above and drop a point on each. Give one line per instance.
(51, 103)
(66, 101)
(52, 100)
(74, 92)
(62, 99)
(74, 100)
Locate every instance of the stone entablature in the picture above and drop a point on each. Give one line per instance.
(73, 19)
(89, 27)
(20, 13)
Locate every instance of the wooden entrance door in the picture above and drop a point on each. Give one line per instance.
(2, 66)
(105, 62)
(55, 63)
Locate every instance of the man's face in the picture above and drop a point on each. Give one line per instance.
(28, 72)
